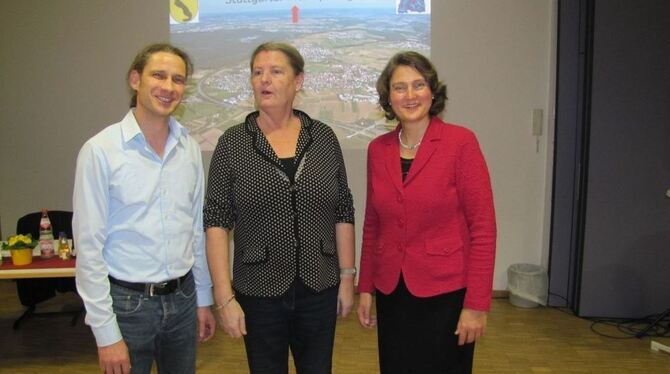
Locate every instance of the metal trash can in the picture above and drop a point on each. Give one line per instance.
(528, 285)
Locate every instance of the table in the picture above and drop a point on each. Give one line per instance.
(41, 268)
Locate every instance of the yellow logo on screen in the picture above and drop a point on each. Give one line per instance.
(183, 11)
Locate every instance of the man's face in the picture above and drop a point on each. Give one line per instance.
(161, 85)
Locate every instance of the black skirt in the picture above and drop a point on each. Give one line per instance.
(416, 334)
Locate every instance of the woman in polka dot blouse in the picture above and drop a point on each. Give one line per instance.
(278, 182)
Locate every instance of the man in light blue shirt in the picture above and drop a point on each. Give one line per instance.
(138, 196)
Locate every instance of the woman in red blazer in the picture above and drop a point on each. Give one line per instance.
(429, 235)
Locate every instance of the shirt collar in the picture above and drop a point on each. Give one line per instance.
(177, 130)
(130, 129)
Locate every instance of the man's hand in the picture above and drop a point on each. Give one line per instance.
(471, 326)
(114, 358)
(206, 324)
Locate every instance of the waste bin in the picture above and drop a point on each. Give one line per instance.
(528, 285)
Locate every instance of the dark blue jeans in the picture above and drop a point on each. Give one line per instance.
(159, 327)
(300, 319)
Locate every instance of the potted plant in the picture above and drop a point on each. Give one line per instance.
(21, 248)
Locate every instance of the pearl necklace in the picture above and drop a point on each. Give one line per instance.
(410, 147)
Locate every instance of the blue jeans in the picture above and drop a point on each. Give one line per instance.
(159, 327)
(300, 319)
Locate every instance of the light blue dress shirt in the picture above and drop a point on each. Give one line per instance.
(137, 217)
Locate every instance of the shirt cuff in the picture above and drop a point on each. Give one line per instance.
(107, 335)
(205, 297)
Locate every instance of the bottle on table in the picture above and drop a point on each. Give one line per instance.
(46, 236)
(64, 251)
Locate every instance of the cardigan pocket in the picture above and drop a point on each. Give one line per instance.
(444, 246)
(327, 247)
(255, 255)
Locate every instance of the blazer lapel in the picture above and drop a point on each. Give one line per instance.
(392, 157)
(429, 144)
(261, 145)
(304, 142)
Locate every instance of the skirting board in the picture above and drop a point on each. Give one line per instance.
(500, 294)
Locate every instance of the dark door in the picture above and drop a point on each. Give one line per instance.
(610, 245)
(626, 247)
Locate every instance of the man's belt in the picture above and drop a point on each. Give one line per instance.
(162, 288)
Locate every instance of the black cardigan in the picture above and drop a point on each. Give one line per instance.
(282, 230)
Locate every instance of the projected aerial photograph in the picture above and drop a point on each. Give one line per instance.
(345, 45)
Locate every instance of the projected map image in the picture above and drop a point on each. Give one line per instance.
(344, 49)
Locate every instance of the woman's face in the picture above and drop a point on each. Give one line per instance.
(273, 80)
(410, 95)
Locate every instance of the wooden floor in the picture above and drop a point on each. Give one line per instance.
(540, 340)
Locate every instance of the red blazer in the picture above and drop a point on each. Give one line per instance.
(438, 226)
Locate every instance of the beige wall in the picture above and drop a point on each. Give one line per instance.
(497, 60)
(63, 65)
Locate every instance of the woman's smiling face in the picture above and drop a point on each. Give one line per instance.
(410, 95)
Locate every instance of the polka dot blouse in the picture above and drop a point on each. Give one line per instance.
(283, 230)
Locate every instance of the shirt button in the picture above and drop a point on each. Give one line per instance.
(400, 199)
(401, 222)
(399, 247)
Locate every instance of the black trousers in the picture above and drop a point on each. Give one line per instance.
(300, 319)
(416, 335)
